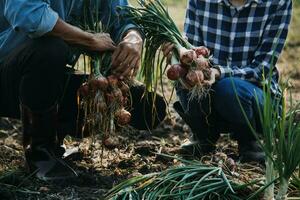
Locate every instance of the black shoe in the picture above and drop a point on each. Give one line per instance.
(47, 166)
(250, 151)
(42, 151)
(199, 144)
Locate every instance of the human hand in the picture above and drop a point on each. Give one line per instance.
(101, 42)
(126, 59)
(215, 75)
(167, 50)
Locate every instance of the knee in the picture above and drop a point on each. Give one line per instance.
(196, 108)
(232, 97)
(49, 53)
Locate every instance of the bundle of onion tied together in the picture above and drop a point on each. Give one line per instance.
(189, 64)
(104, 101)
(192, 69)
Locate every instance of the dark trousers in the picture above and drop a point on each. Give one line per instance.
(221, 112)
(35, 74)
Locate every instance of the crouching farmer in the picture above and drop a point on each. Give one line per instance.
(35, 47)
(245, 39)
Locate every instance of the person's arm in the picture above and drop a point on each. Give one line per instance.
(36, 18)
(127, 57)
(76, 36)
(267, 53)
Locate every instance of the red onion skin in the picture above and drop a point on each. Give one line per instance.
(175, 72)
(124, 87)
(112, 80)
(202, 51)
(117, 93)
(187, 56)
(202, 63)
(102, 83)
(109, 98)
(123, 117)
(207, 73)
(125, 101)
(195, 77)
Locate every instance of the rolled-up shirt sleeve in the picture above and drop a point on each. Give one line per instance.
(33, 17)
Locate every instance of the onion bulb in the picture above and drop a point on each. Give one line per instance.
(187, 56)
(175, 72)
(195, 77)
(202, 51)
(123, 117)
(201, 63)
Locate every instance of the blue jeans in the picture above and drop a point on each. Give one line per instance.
(220, 111)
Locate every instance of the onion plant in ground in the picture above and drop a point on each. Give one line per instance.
(279, 138)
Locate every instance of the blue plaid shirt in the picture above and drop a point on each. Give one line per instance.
(244, 41)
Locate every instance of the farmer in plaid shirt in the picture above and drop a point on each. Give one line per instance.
(244, 37)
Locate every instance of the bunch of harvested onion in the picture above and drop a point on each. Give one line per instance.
(189, 65)
(104, 101)
(103, 98)
(192, 69)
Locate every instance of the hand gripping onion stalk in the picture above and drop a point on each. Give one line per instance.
(159, 28)
(103, 98)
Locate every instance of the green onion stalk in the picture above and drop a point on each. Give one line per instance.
(191, 180)
(191, 64)
(288, 147)
(280, 139)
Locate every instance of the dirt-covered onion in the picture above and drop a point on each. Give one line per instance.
(123, 117)
(207, 73)
(202, 51)
(102, 83)
(187, 56)
(201, 63)
(117, 93)
(123, 87)
(109, 97)
(194, 77)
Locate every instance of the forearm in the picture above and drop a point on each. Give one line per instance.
(133, 33)
(72, 34)
(250, 73)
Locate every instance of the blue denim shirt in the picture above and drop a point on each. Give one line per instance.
(22, 20)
